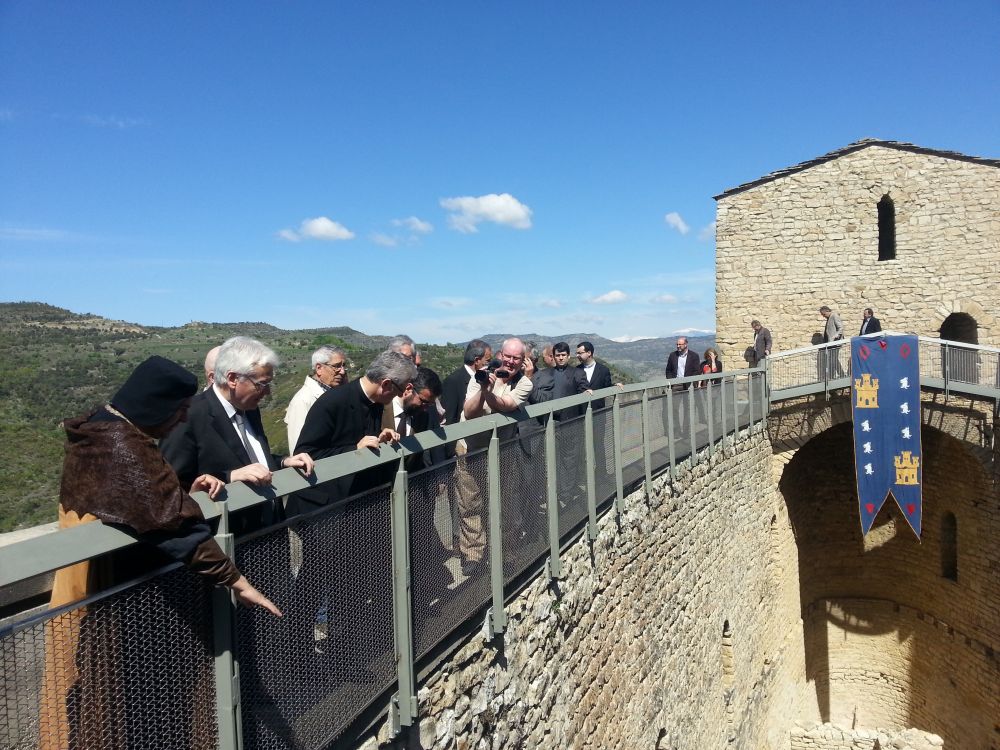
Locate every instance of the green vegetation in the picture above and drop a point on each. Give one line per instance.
(58, 364)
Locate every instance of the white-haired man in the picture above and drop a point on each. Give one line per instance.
(506, 389)
(224, 435)
(329, 369)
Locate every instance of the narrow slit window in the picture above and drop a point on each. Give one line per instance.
(949, 547)
(886, 229)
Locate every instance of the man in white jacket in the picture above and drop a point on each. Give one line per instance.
(329, 369)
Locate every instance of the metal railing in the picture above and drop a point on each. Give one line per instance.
(950, 366)
(370, 586)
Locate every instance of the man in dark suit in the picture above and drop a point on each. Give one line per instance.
(349, 418)
(566, 381)
(598, 375)
(477, 355)
(681, 363)
(761, 343)
(224, 435)
(869, 324)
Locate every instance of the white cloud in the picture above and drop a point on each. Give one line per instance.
(450, 303)
(551, 303)
(320, 228)
(36, 234)
(674, 220)
(385, 240)
(415, 225)
(468, 211)
(614, 297)
(707, 233)
(112, 121)
(664, 299)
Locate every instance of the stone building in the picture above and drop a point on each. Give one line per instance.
(912, 232)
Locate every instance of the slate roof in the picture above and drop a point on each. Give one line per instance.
(850, 149)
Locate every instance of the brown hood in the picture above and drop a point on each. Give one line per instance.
(116, 472)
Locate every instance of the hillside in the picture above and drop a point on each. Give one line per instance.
(55, 363)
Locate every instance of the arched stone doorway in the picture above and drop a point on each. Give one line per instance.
(959, 364)
(960, 326)
(889, 641)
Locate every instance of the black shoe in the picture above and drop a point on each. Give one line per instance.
(470, 567)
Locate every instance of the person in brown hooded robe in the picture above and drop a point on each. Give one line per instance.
(113, 472)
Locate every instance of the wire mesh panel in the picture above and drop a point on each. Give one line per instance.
(442, 597)
(632, 454)
(305, 676)
(604, 454)
(931, 360)
(741, 390)
(523, 481)
(659, 448)
(571, 472)
(130, 669)
(794, 370)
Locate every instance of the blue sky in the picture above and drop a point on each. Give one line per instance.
(441, 169)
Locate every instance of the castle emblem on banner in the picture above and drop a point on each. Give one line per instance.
(906, 468)
(867, 392)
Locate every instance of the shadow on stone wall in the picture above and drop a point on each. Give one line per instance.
(867, 602)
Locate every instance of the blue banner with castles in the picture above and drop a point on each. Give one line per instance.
(885, 402)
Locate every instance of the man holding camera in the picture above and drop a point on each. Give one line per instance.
(505, 389)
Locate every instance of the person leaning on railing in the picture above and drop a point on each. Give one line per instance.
(114, 472)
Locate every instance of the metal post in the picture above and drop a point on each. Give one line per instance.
(404, 702)
(591, 465)
(736, 409)
(647, 458)
(227, 669)
(670, 433)
(691, 429)
(767, 382)
(946, 368)
(750, 401)
(710, 417)
(616, 426)
(554, 568)
(722, 409)
(498, 616)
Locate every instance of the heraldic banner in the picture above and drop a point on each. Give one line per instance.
(885, 402)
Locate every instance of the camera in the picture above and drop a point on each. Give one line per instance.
(482, 377)
(502, 373)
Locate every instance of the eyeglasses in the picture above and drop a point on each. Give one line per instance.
(258, 385)
(397, 387)
(512, 357)
(335, 366)
(425, 401)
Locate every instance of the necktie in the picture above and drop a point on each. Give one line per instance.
(401, 429)
(240, 420)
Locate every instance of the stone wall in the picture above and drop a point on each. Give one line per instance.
(785, 247)
(813, 736)
(629, 649)
(890, 640)
(737, 600)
